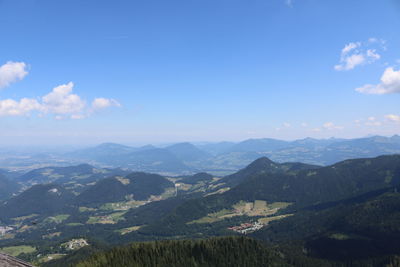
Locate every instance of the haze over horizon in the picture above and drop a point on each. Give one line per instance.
(131, 72)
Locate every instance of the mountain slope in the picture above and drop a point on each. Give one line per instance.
(7, 187)
(198, 177)
(147, 158)
(263, 166)
(356, 229)
(187, 152)
(138, 186)
(80, 175)
(152, 160)
(39, 199)
(258, 145)
(308, 187)
(303, 188)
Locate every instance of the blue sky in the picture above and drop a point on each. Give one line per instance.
(156, 71)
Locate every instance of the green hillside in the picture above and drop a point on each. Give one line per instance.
(7, 187)
(137, 186)
(302, 188)
(74, 177)
(39, 199)
(362, 229)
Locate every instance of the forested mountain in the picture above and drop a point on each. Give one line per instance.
(261, 166)
(39, 199)
(196, 178)
(258, 145)
(147, 158)
(137, 186)
(301, 188)
(7, 187)
(187, 152)
(339, 181)
(216, 148)
(75, 178)
(228, 251)
(364, 229)
(10, 175)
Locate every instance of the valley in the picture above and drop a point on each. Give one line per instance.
(262, 200)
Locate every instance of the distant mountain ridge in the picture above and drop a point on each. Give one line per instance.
(73, 177)
(227, 157)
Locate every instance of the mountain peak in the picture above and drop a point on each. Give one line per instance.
(261, 163)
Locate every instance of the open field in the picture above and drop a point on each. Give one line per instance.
(106, 219)
(121, 206)
(251, 209)
(17, 250)
(129, 229)
(267, 220)
(49, 257)
(58, 218)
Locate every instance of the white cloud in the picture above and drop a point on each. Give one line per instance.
(351, 46)
(10, 107)
(390, 83)
(60, 102)
(286, 125)
(357, 53)
(101, 103)
(392, 117)
(12, 72)
(303, 124)
(371, 53)
(331, 126)
(350, 62)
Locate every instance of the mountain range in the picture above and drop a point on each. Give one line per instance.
(227, 157)
(333, 215)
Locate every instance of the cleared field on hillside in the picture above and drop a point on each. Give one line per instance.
(252, 209)
(17, 250)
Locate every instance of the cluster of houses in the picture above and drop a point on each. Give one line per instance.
(246, 228)
(5, 229)
(75, 244)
